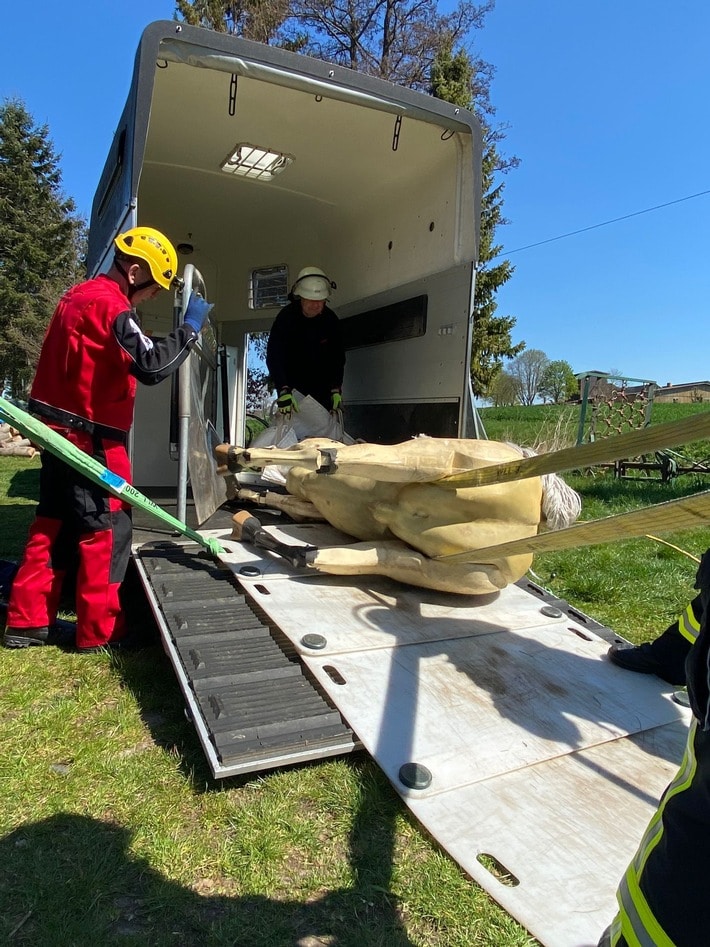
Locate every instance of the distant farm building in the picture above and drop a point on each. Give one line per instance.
(693, 392)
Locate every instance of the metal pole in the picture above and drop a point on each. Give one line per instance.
(193, 282)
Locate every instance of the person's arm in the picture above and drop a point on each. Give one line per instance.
(276, 353)
(152, 360)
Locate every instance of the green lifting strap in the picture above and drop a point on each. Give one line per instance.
(45, 437)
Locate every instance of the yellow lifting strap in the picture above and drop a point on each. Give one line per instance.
(684, 513)
(629, 444)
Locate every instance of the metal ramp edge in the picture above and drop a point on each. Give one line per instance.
(554, 602)
(247, 693)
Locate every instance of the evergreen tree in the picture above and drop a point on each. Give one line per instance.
(458, 79)
(40, 242)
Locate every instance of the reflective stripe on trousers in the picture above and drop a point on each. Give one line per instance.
(689, 620)
(663, 899)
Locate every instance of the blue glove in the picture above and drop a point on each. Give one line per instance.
(196, 313)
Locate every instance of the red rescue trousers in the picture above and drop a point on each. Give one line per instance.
(80, 526)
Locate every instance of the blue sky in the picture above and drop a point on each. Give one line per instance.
(607, 104)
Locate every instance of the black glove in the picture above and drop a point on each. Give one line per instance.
(286, 403)
(196, 313)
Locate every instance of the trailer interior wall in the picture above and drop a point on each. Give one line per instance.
(382, 194)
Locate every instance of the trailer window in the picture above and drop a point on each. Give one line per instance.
(268, 287)
(393, 323)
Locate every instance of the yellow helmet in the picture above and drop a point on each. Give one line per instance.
(153, 247)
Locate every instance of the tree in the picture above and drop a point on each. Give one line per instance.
(40, 242)
(258, 392)
(397, 40)
(504, 390)
(528, 370)
(458, 79)
(259, 20)
(394, 39)
(492, 334)
(558, 382)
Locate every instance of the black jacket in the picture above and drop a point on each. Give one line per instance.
(306, 354)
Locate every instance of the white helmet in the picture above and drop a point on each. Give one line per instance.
(312, 283)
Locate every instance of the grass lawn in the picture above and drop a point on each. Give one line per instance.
(114, 832)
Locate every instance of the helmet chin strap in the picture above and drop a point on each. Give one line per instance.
(136, 287)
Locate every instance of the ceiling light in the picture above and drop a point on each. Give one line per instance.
(251, 161)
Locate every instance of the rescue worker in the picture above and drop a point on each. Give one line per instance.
(93, 354)
(662, 897)
(305, 348)
(665, 657)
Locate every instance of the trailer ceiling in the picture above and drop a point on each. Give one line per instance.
(377, 195)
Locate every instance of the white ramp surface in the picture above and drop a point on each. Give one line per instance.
(540, 763)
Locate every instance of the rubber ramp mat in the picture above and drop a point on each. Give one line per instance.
(257, 706)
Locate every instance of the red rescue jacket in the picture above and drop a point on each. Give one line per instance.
(94, 352)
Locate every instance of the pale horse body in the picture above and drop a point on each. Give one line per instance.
(392, 498)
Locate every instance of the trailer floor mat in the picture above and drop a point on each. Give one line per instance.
(248, 694)
(532, 760)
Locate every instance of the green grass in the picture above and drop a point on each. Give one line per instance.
(636, 587)
(19, 491)
(551, 426)
(114, 832)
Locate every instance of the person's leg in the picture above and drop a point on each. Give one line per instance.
(663, 894)
(605, 940)
(665, 656)
(37, 585)
(103, 558)
(104, 549)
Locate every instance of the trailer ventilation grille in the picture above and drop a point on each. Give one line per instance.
(251, 161)
(268, 287)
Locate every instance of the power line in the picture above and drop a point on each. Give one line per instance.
(604, 223)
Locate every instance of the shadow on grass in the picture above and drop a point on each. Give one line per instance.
(74, 880)
(363, 915)
(25, 484)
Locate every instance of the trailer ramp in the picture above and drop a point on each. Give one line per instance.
(533, 761)
(247, 692)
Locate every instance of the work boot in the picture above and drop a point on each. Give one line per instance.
(58, 635)
(643, 660)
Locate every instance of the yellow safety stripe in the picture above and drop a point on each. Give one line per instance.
(681, 782)
(615, 931)
(688, 624)
(638, 924)
(635, 919)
